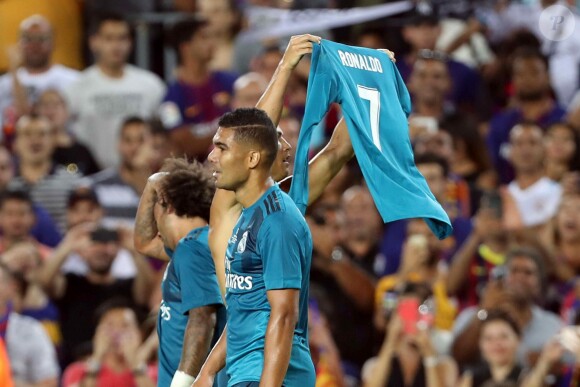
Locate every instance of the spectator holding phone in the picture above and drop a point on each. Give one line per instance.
(516, 293)
(407, 356)
(118, 356)
(499, 342)
(77, 296)
(484, 250)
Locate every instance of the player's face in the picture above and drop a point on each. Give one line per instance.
(281, 167)
(228, 159)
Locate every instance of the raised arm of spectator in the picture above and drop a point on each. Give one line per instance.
(48, 275)
(145, 236)
(358, 285)
(19, 94)
(551, 354)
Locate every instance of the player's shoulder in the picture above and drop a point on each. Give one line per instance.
(280, 211)
(196, 241)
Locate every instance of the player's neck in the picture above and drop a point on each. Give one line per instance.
(253, 189)
(182, 227)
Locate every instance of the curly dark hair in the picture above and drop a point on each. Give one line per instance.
(188, 188)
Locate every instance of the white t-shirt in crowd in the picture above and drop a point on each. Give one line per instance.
(58, 77)
(538, 203)
(123, 266)
(99, 104)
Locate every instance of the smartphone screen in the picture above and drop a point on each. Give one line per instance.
(408, 311)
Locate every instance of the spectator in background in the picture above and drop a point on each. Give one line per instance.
(199, 96)
(83, 207)
(160, 144)
(111, 90)
(248, 90)
(70, 153)
(532, 103)
(516, 293)
(407, 356)
(119, 189)
(22, 255)
(44, 229)
(499, 342)
(116, 358)
(223, 21)
(31, 70)
(77, 296)
(469, 160)
(483, 251)
(343, 269)
(421, 33)
(32, 357)
(16, 222)
(531, 199)
(266, 62)
(435, 170)
(562, 144)
(47, 183)
(421, 263)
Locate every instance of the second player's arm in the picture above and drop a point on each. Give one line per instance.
(197, 339)
(327, 163)
(214, 363)
(279, 335)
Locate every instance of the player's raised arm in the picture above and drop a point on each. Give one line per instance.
(145, 237)
(272, 99)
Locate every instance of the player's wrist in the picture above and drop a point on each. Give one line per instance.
(182, 379)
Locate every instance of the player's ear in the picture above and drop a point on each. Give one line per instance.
(254, 158)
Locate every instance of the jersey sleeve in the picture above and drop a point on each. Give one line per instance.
(195, 269)
(281, 248)
(402, 91)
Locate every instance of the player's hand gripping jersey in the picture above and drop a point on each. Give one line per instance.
(376, 104)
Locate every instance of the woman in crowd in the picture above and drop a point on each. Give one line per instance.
(498, 343)
(562, 150)
(407, 357)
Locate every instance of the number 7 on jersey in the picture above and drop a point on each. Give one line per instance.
(374, 97)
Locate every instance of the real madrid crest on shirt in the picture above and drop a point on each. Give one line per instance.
(242, 244)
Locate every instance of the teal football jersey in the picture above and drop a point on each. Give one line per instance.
(270, 248)
(189, 282)
(375, 104)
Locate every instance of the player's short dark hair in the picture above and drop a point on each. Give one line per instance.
(253, 126)
(527, 53)
(494, 315)
(16, 195)
(183, 31)
(188, 188)
(432, 158)
(104, 17)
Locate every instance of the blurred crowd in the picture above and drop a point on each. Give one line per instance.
(495, 128)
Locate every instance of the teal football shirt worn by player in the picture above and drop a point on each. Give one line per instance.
(375, 103)
(270, 248)
(189, 282)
